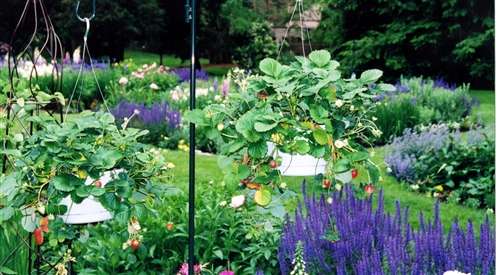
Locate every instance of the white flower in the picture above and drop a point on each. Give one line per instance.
(237, 201)
(170, 165)
(490, 211)
(389, 170)
(220, 126)
(455, 272)
(283, 185)
(360, 124)
(338, 187)
(136, 112)
(201, 91)
(377, 132)
(223, 203)
(217, 98)
(339, 103)
(329, 200)
(134, 227)
(374, 118)
(341, 143)
(352, 108)
(414, 186)
(123, 81)
(153, 86)
(76, 56)
(455, 125)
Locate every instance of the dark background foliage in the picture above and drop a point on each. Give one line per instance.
(452, 39)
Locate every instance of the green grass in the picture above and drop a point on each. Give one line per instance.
(486, 110)
(141, 57)
(207, 170)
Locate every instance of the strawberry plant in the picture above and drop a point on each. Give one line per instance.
(306, 107)
(55, 162)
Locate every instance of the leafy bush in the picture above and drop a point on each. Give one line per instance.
(246, 241)
(419, 101)
(344, 235)
(258, 44)
(441, 162)
(146, 87)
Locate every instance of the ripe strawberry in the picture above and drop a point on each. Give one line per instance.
(369, 188)
(98, 183)
(134, 244)
(273, 164)
(38, 234)
(170, 226)
(44, 224)
(327, 183)
(354, 173)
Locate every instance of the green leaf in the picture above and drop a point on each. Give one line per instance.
(342, 166)
(195, 116)
(6, 213)
(243, 171)
(373, 172)
(258, 149)
(57, 209)
(245, 126)
(6, 270)
(318, 113)
(66, 183)
(97, 192)
(371, 76)
(270, 67)
(301, 147)
(386, 87)
(263, 197)
(320, 136)
(264, 127)
(106, 158)
(219, 254)
(83, 191)
(359, 156)
(320, 58)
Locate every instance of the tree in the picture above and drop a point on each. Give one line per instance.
(452, 39)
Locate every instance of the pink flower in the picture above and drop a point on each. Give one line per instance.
(225, 87)
(227, 272)
(184, 270)
(237, 201)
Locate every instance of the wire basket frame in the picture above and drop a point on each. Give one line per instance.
(34, 51)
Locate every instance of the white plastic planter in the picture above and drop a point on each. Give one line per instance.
(298, 165)
(89, 210)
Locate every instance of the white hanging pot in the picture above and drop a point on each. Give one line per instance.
(298, 165)
(89, 210)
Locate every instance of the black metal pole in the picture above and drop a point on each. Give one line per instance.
(191, 17)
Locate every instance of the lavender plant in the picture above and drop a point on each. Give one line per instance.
(348, 236)
(159, 118)
(184, 74)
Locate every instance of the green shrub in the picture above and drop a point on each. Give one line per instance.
(246, 241)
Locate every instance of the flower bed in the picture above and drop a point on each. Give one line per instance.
(441, 162)
(344, 235)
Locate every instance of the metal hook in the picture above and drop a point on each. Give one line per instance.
(83, 19)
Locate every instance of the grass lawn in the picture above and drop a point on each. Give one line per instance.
(207, 170)
(141, 57)
(486, 110)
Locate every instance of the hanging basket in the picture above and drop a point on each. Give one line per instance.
(298, 165)
(89, 210)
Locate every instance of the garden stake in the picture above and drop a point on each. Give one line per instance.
(191, 18)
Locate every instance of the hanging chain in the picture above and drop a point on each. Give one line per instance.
(299, 5)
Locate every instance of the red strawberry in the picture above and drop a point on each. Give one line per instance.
(38, 233)
(273, 164)
(369, 188)
(98, 183)
(354, 173)
(134, 244)
(170, 226)
(327, 183)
